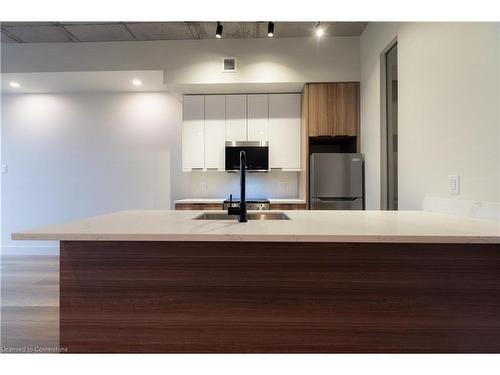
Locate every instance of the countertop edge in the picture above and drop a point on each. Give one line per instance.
(259, 238)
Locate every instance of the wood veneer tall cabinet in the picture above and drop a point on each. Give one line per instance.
(333, 109)
(328, 110)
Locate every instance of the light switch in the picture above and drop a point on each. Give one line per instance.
(4, 168)
(454, 184)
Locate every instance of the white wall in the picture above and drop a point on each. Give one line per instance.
(198, 61)
(448, 109)
(71, 156)
(76, 155)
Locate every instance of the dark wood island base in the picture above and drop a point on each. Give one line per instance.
(255, 297)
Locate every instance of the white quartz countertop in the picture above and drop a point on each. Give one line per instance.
(305, 226)
(221, 200)
(200, 200)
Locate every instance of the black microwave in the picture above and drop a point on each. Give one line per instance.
(257, 155)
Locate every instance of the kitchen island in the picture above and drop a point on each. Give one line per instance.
(321, 282)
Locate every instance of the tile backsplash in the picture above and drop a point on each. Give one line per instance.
(213, 184)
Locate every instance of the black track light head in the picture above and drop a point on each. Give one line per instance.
(270, 29)
(218, 32)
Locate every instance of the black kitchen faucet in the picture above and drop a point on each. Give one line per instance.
(242, 209)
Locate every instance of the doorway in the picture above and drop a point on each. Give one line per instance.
(391, 127)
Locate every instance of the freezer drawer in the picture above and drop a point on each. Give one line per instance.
(337, 204)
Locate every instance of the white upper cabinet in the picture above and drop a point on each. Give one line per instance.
(210, 120)
(215, 131)
(258, 117)
(236, 117)
(193, 132)
(284, 131)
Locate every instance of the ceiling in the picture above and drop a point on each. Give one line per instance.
(67, 32)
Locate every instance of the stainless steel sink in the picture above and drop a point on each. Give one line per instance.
(250, 216)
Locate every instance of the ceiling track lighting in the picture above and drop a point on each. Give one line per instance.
(218, 32)
(270, 29)
(319, 30)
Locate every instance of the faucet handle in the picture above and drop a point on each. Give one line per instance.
(230, 198)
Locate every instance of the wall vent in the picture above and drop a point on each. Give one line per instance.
(229, 64)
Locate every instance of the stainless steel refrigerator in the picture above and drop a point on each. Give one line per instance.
(336, 181)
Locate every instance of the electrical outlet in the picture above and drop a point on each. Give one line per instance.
(453, 184)
(4, 168)
(203, 186)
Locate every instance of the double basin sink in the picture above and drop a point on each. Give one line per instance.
(250, 216)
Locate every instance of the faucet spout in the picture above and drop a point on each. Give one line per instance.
(241, 211)
(243, 203)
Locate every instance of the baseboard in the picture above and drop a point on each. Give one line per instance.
(29, 250)
(468, 208)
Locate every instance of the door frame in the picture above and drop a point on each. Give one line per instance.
(383, 124)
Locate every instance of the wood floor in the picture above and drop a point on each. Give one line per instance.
(30, 302)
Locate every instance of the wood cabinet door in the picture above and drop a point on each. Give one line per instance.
(346, 109)
(321, 108)
(333, 109)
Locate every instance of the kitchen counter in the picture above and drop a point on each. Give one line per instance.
(304, 226)
(322, 282)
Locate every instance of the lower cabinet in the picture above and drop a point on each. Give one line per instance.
(198, 206)
(288, 206)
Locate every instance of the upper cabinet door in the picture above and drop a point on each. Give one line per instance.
(333, 109)
(236, 117)
(258, 117)
(193, 132)
(347, 108)
(284, 131)
(215, 131)
(321, 109)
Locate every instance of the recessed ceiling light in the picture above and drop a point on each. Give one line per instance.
(218, 31)
(319, 30)
(270, 29)
(137, 82)
(14, 84)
